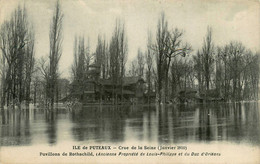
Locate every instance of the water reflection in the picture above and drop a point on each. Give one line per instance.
(99, 124)
(15, 128)
(172, 124)
(51, 122)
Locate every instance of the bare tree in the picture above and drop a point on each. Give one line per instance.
(149, 62)
(208, 58)
(235, 53)
(80, 67)
(198, 69)
(17, 44)
(29, 67)
(123, 56)
(141, 64)
(133, 68)
(168, 45)
(118, 57)
(174, 48)
(43, 68)
(159, 47)
(3, 81)
(102, 57)
(55, 51)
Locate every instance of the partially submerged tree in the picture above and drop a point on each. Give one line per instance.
(167, 46)
(80, 67)
(199, 70)
(208, 57)
(17, 49)
(149, 62)
(118, 56)
(55, 51)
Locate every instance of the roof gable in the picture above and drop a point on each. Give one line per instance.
(126, 81)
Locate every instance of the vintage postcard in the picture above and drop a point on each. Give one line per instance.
(129, 81)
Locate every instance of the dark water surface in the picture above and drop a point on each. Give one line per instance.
(236, 123)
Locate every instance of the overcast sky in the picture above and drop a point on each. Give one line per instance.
(229, 19)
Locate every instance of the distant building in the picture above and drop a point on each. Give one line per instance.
(132, 89)
(190, 95)
(96, 89)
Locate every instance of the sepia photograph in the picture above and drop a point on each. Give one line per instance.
(129, 81)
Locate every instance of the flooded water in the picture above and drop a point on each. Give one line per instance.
(234, 123)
